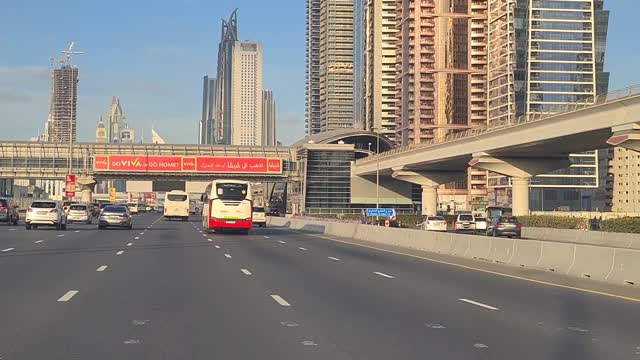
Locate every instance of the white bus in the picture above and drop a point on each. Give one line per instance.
(227, 204)
(176, 205)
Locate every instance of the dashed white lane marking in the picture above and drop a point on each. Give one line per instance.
(102, 268)
(12, 229)
(266, 237)
(142, 233)
(129, 244)
(77, 231)
(479, 304)
(334, 258)
(8, 249)
(136, 238)
(39, 241)
(205, 235)
(217, 246)
(61, 235)
(120, 252)
(384, 275)
(66, 297)
(280, 300)
(227, 256)
(303, 249)
(281, 242)
(209, 240)
(245, 271)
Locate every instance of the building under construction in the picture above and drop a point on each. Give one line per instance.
(62, 107)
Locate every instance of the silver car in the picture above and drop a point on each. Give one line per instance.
(115, 216)
(79, 213)
(45, 213)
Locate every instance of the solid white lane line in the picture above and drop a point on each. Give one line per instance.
(61, 235)
(39, 241)
(217, 246)
(136, 238)
(129, 244)
(142, 233)
(227, 256)
(303, 249)
(66, 297)
(384, 275)
(102, 268)
(245, 271)
(479, 304)
(280, 300)
(8, 249)
(119, 252)
(334, 258)
(281, 242)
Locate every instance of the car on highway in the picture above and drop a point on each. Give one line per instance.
(79, 213)
(465, 222)
(8, 212)
(133, 207)
(505, 226)
(115, 216)
(434, 223)
(258, 216)
(102, 206)
(274, 212)
(45, 213)
(481, 224)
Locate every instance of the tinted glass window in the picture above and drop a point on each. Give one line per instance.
(43, 205)
(3, 202)
(78, 207)
(115, 209)
(480, 219)
(466, 218)
(258, 209)
(437, 218)
(510, 220)
(231, 191)
(176, 197)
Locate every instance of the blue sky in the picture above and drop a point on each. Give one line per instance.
(153, 54)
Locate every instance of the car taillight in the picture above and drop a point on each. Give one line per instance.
(499, 224)
(3, 208)
(519, 225)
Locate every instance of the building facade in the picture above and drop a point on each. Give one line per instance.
(62, 122)
(268, 118)
(205, 135)
(544, 54)
(375, 40)
(223, 95)
(246, 87)
(101, 132)
(117, 128)
(329, 74)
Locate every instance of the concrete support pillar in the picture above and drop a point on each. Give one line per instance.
(520, 195)
(429, 200)
(429, 180)
(86, 195)
(626, 136)
(87, 185)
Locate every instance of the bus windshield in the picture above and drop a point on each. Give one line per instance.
(176, 197)
(231, 191)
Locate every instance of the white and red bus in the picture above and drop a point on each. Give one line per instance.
(227, 204)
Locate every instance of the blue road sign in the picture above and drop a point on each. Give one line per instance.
(381, 212)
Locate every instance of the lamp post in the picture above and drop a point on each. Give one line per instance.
(377, 167)
(369, 148)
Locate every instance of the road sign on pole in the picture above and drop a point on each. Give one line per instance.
(112, 195)
(70, 186)
(385, 212)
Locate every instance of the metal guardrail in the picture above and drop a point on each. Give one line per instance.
(613, 96)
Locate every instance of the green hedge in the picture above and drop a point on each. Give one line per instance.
(622, 225)
(554, 222)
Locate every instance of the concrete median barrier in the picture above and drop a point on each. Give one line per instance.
(585, 257)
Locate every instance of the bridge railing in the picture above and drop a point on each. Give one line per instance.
(524, 119)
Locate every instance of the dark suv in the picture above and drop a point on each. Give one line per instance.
(8, 212)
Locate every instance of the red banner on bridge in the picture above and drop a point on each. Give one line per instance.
(193, 164)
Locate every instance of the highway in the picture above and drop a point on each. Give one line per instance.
(167, 290)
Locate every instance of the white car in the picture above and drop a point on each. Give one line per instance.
(481, 224)
(465, 222)
(45, 213)
(434, 223)
(259, 217)
(133, 207)
(79, 213)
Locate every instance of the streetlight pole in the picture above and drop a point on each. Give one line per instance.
(377, 168)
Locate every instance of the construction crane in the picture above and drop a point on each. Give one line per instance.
(70, 52)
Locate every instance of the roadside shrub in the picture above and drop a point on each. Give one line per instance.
(622, 225)
(554, 222)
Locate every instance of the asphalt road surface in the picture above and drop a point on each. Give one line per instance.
(167, 290)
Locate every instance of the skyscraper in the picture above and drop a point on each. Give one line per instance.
(543, 55)
(312, 91)
(329, 65)
(441, 68)
(375, 40)
(207, 121)
(268, 118)
(118, 130)
(246, 87)
(62, 108)
(223, 92)
(101, 132)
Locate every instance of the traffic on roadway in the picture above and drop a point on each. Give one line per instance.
(176, 290)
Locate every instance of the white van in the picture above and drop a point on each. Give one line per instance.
(176, 205)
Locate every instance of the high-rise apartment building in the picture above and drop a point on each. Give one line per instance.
(441, 68)
(375, 40)
(62, 108)
(329, 92)
(246, 85)
(544, 54)
(268, 118)
(118, 130)
(205, 135)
